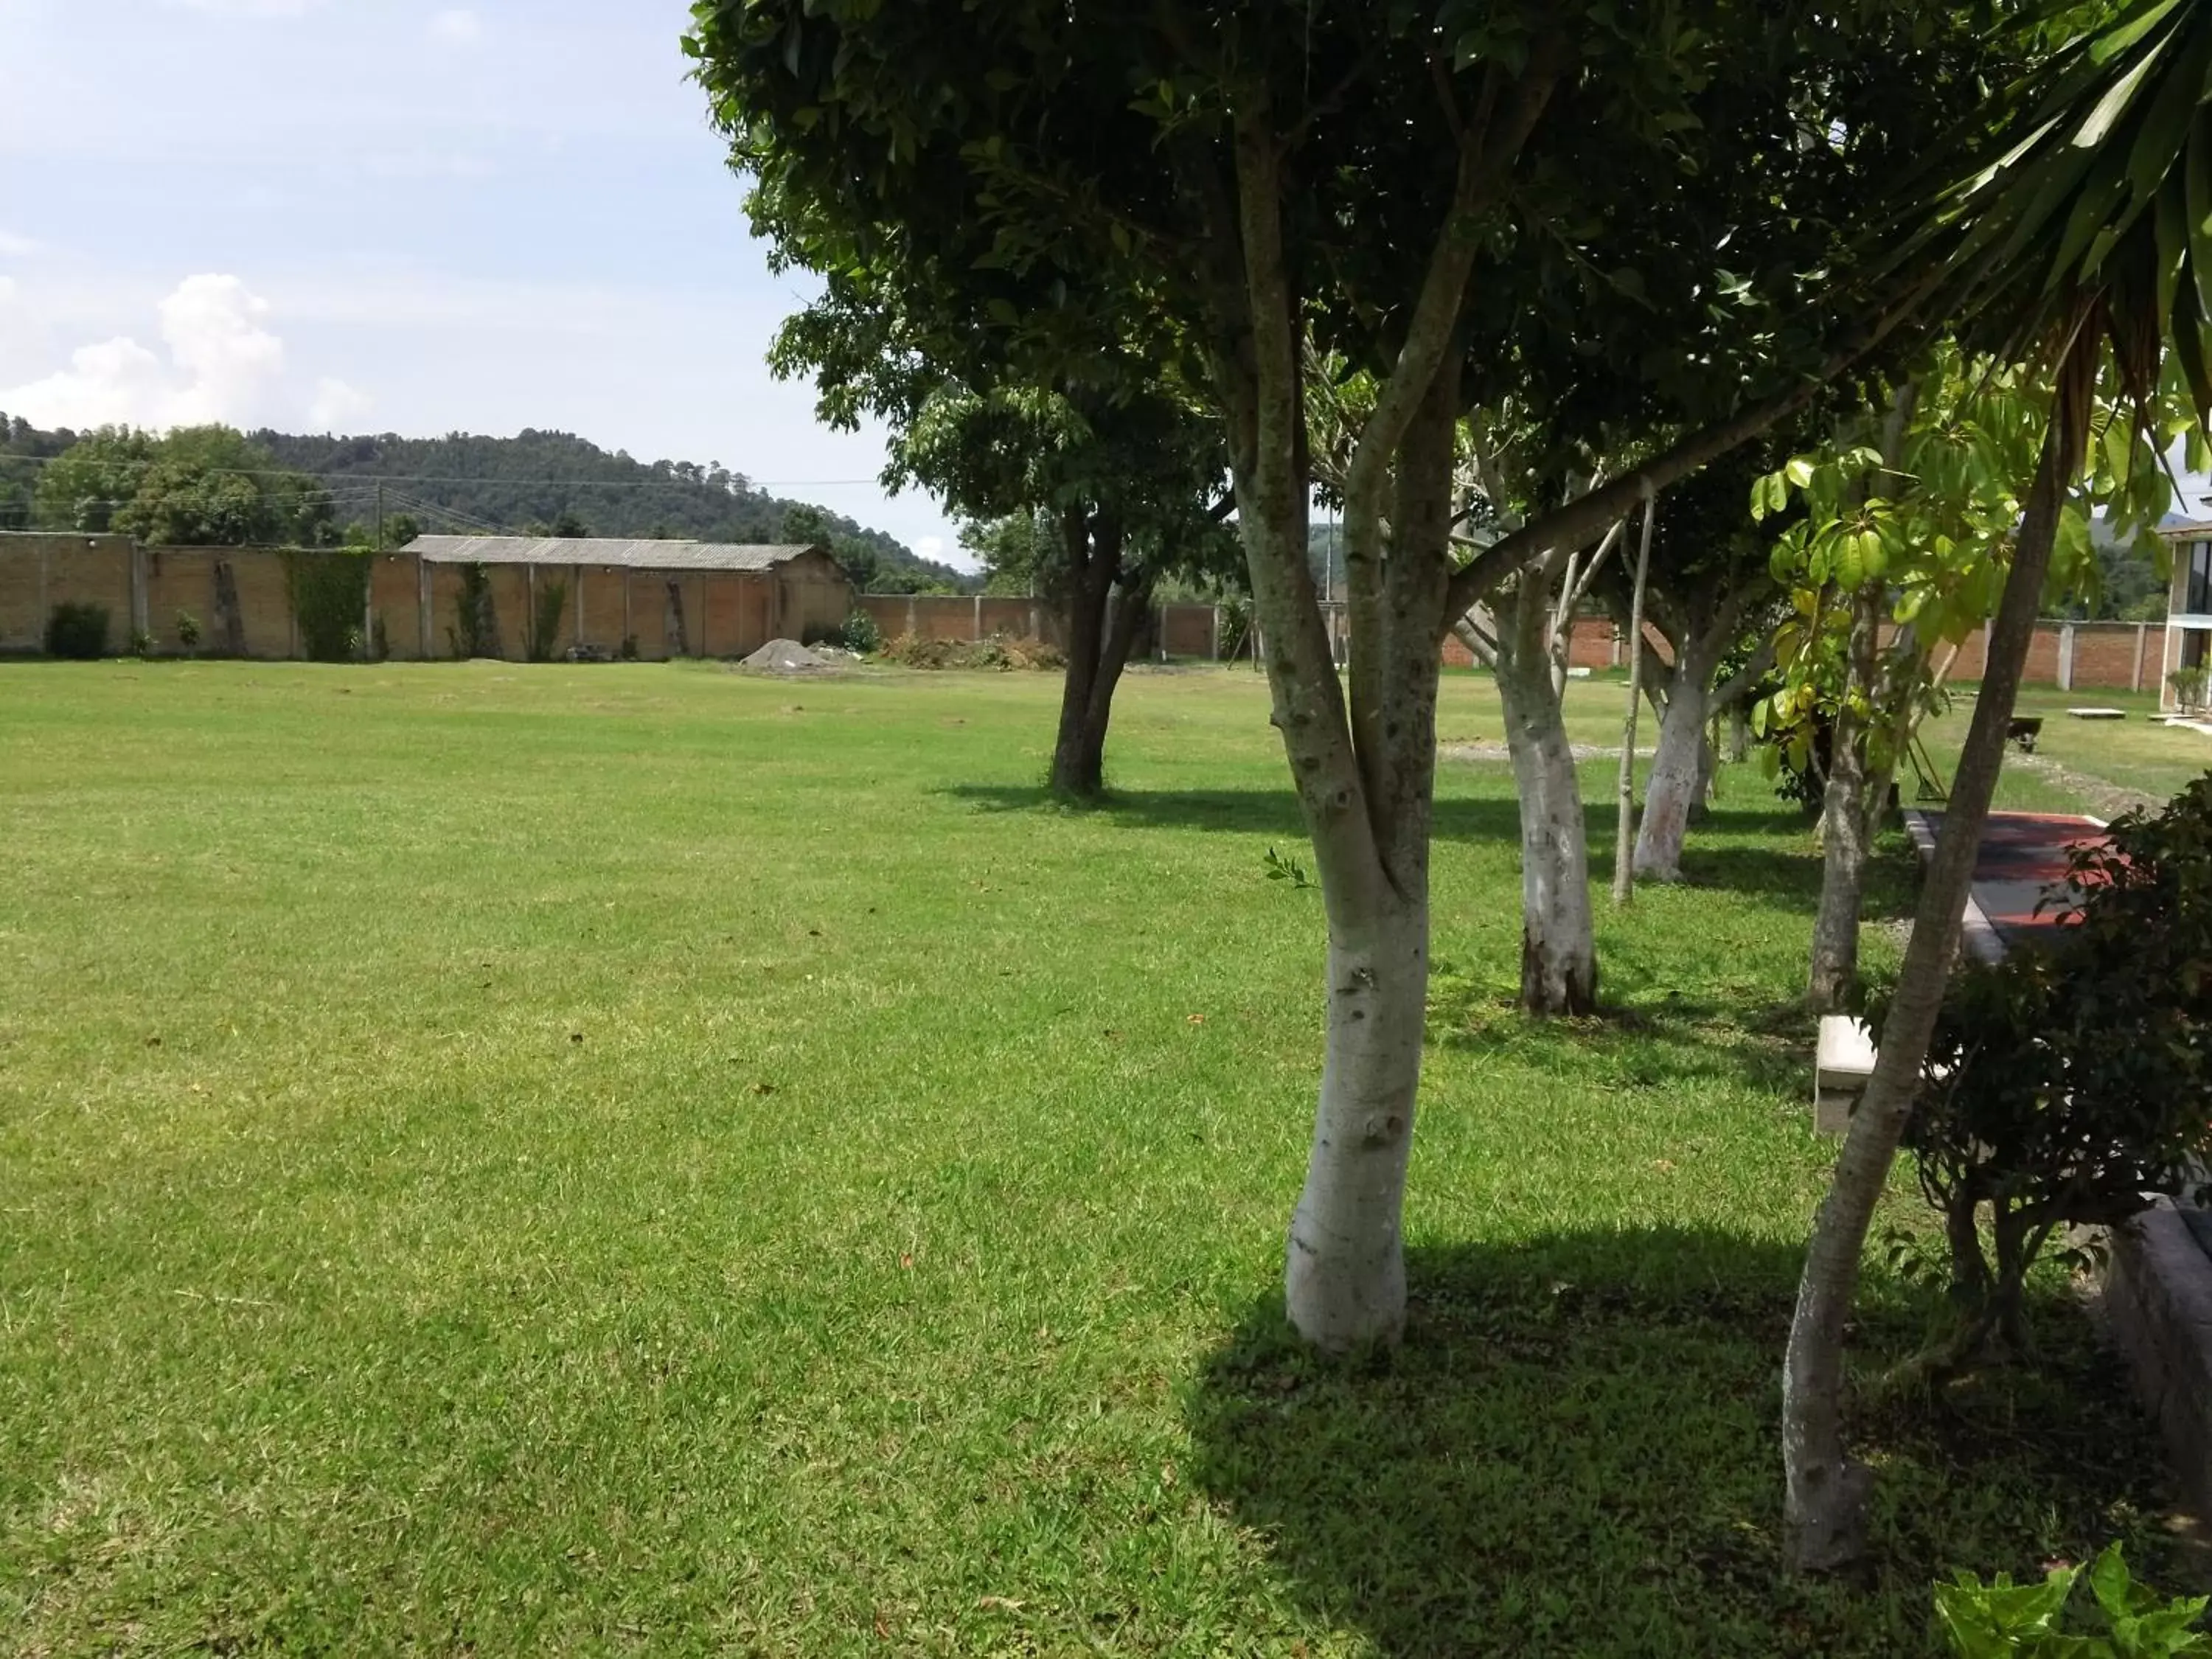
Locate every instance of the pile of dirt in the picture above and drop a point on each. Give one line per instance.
(783, 657)
(996, 652)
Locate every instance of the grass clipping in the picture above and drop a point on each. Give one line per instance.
(1006, 655)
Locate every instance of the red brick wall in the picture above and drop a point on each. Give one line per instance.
(2105, 654)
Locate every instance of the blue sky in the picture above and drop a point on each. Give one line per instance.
(383, 216)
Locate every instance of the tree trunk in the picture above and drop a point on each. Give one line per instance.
(1678, 770)
(1101, 626)
(1845, 817)
(1344, 1283)
(1825, 1490)
(1558, 949)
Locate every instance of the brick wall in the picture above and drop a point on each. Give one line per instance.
(1595, 645)
(728, 613)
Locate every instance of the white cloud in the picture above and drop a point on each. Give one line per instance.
(337, 405)
(931, 547)
(18, 247)
(223, 365)
(457, 27)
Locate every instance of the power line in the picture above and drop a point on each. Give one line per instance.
(337, 478)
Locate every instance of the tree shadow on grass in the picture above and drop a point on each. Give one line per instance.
(1667, 1039)
(1574, 1452)
(1790, 880)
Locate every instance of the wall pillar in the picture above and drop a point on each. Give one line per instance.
(2142, 641)
(975, 632)
(2066, 656)
(576, 586)
(139, 606)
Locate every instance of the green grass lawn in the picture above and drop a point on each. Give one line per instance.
(2098, 767)
(636, 1159)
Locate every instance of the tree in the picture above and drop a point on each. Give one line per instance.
(82, 488)
(1905, 519)
(1131, 491)
(1523, 636)
(2077, 250)
(2066, 1085)
(1095, 432)
(198, 486)
(1195, 161)
(1710, 588)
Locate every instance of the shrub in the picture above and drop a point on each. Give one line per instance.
(474, 632)
(629, 648)
(379, 640)
(77, 631)
(2124, 1619)
(188, 631)
(546, 623)
(1236, 626)
(861, 634)
(2188, 685)
(2066, 1085)
(329, 592)
(858, 632)
(142, 643)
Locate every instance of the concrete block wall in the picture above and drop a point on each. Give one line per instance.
(725, 613)
(39, 572)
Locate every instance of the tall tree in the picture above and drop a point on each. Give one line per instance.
(2083, 248)
(196, 486)
(1132, 491)
(1903, 521)
(1089, 429)
(1413, 185)
(1710, 588)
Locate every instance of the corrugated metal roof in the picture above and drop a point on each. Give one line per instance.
(601, 551)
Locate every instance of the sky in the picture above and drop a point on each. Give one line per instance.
(381, 216)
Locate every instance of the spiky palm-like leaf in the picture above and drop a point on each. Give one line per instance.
(2094, 224)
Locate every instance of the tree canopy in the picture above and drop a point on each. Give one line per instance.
(205, 485)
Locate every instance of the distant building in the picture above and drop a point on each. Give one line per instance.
(2189, 606)
(668, 598)
(651, 598)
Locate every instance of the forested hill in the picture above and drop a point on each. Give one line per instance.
(464, 482)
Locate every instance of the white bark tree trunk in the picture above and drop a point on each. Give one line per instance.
(1345, 1282)
(1678, 770)
(1558, 949)
(1825, 1489)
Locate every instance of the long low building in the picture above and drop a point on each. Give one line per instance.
(439, 597)
(666, 598)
